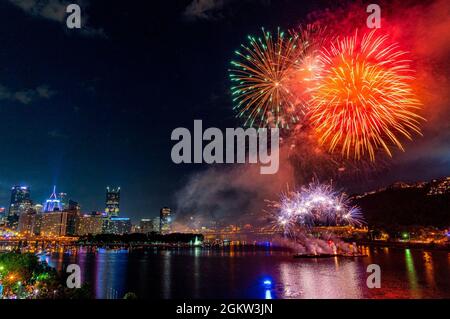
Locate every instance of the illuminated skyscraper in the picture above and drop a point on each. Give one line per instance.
(90, 224)
(53, 203)
(156, 224)
(146, 225)
(20, 203)
(27, 222)
(112, 202)
(119, 226)
(2, 215)
(57, 224)
(38, 208)
(73, 211)
(165, 220)
(63, 199)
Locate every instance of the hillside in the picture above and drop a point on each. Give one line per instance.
(422, 203)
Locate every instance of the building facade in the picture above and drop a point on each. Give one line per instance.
(2, 216)
(63, 201)
(53, 224)
(20, 203)
(112, 203)
(58, 223)
(165, 216)
(146, 225)
(90, 224)
(157, 224)
(27, 223)
(118, 226)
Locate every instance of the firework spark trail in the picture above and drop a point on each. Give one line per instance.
(313, 205)
(307, 67)
(365, 101)
(355, 90)
(260, 78)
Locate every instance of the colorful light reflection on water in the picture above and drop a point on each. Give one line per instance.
(198, 273)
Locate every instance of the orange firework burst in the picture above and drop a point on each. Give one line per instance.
(365, 101)
(260, 78)
(304, 76)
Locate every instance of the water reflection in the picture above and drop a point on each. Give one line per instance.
(268, 288)
(320, 279)
(197, 252)
(166, 275)
(411, 272)
(199, 273)
(429, 272)
(110, 273)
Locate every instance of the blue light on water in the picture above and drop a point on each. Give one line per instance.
(267, 283)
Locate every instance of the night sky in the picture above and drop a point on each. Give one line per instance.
(91, 108)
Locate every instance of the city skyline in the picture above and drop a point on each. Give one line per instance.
(55, 202)
(61, 216)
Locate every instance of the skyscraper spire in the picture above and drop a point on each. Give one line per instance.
(53, 195)
(52, 203)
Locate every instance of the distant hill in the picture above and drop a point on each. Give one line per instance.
(405, 204)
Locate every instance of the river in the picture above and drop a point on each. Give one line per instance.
(260, 274)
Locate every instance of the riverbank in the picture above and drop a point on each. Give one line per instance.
(404, 245)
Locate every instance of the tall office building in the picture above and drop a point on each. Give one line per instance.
(20, 203)
(59, 217)
(38, 208)
(112, 202)
(58, 223)
(73, 211)
(73, 206)
(28, 223)
(165, 216)
(146, 225)
(63, 200)
(53, 203)
(119, 226)
(53, 224)
(157, 224)
(90, 224)
(2, 216)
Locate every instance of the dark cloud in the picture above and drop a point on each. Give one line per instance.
(215, 9)
(204, 9)
(55, 10)
(26, 96)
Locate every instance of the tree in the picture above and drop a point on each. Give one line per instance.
(130, 295)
